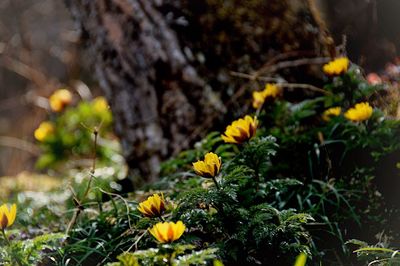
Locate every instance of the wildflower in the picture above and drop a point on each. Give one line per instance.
(7, 216)
(167, 232)
(100, 104)
(271, 90)
(44, 130)
(258, 99)
(337, 66)
(60, 99)
(240, 130)
(360, 112)
(329, 113)
(154, 206)
(210, 167)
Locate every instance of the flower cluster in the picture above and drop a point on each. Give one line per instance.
(337, 67)
(270, 91)
(164, 232)
(360, 112)
(240, 130)
(60, 99)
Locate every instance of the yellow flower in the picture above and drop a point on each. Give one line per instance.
(44, 130)
(210, 167)
(329, 113)
(360, 112)
(60, 99)
(271, 90)
(100, 104)
(167, 232)
(258, 99)
(7, 216)
(240, 130)
(154, 206)
(337, 66)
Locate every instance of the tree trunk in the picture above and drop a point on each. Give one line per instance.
(165, 65)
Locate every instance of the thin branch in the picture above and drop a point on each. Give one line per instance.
(270, 67)
(303, 86)
(255, 77)
(280, 83)
(19, 144)
(24, 70)
(78, 202)
(296, 63)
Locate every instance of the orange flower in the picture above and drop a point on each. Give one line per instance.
(167, 232)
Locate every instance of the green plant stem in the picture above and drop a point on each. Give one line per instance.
(9, 244)
(5, 237)
(161, 218)
(215, 182)
(170, 259)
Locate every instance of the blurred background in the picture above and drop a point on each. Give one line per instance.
(40, 52)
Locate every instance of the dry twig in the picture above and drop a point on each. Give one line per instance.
(78, 202)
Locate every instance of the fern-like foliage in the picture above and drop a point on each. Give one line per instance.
(168, 255)
(41, 249)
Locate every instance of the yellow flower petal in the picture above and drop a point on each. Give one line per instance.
(100, 104)
(44, 130)
(3, 216)
(337, 66)
(360, 112)
(59, 99)
(240, 130)
(167, 232)
(152, 207)
(329, 113)
(271, 90)
(210, 167)
(258, 99)
(7, 216)
(180, 228)
(11, 214)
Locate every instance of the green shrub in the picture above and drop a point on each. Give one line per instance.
(304, 182)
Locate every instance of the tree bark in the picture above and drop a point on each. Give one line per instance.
(164, 65)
